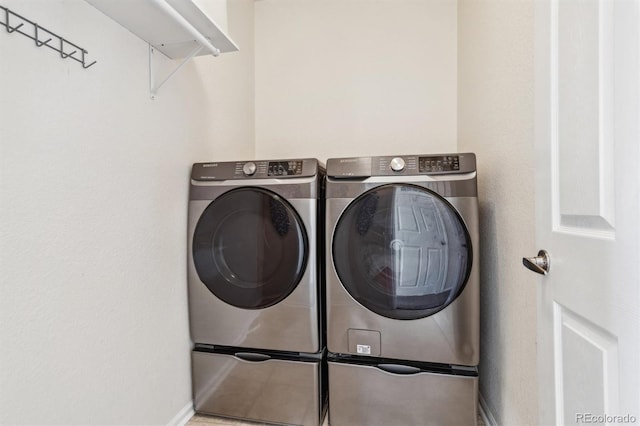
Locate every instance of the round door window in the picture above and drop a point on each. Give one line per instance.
(250, 248)
(402, 251)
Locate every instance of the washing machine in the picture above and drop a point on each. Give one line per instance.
(255, 286)
(402, 289)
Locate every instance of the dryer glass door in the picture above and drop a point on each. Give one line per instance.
(402, 251)
(250, 248)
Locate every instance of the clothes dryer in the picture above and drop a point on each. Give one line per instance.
(403, 288)
(256, 290)
(253, 274)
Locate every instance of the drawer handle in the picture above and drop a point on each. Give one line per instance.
(250, 356)
(398, 369)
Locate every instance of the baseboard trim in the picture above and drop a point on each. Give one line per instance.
(183, 415)
(485, 413)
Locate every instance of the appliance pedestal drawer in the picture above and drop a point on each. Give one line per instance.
(361, 394)
(259, 388)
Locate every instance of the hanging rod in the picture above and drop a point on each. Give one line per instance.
(171, 12)
(44, 37)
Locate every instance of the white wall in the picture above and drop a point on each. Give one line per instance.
(93, 201)
(495, 120)
(355, 77)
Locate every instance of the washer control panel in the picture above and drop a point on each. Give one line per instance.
(254, 169)
(397, 164)
(401, 165)
(249, 168)
(440, 163)
(284, 168)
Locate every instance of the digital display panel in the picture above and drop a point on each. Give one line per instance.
(444, 163)
(284, 168)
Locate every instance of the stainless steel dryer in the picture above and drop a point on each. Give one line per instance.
(256, 290)
(252, 267)
(402, 289)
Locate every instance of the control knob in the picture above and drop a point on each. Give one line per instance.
(397, 164)
(249, 168)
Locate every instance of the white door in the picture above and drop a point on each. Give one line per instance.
(588, 210)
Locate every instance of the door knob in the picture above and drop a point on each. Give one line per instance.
(539, 264)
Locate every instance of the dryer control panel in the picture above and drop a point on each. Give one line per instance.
(255, 169)
(401, 165)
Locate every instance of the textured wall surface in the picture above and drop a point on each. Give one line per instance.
(495, 120)
(352, 77)
(93, 204)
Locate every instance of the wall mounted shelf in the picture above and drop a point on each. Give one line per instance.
(180, 29)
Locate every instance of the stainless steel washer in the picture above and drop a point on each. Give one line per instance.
(403, 287)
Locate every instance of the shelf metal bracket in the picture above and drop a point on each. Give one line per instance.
(203, 44)
(153, 87)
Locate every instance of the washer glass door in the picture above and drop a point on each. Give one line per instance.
(402, 251)
(250, 248)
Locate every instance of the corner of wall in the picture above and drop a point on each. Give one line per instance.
(485, 413)
(183, 416)
(495, 120)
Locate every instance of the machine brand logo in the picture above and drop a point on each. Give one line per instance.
(349, 160)
(210, 165)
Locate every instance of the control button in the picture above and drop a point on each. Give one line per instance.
(397, 164)
(249, 168)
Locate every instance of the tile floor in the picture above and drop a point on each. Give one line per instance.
(200, 420)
